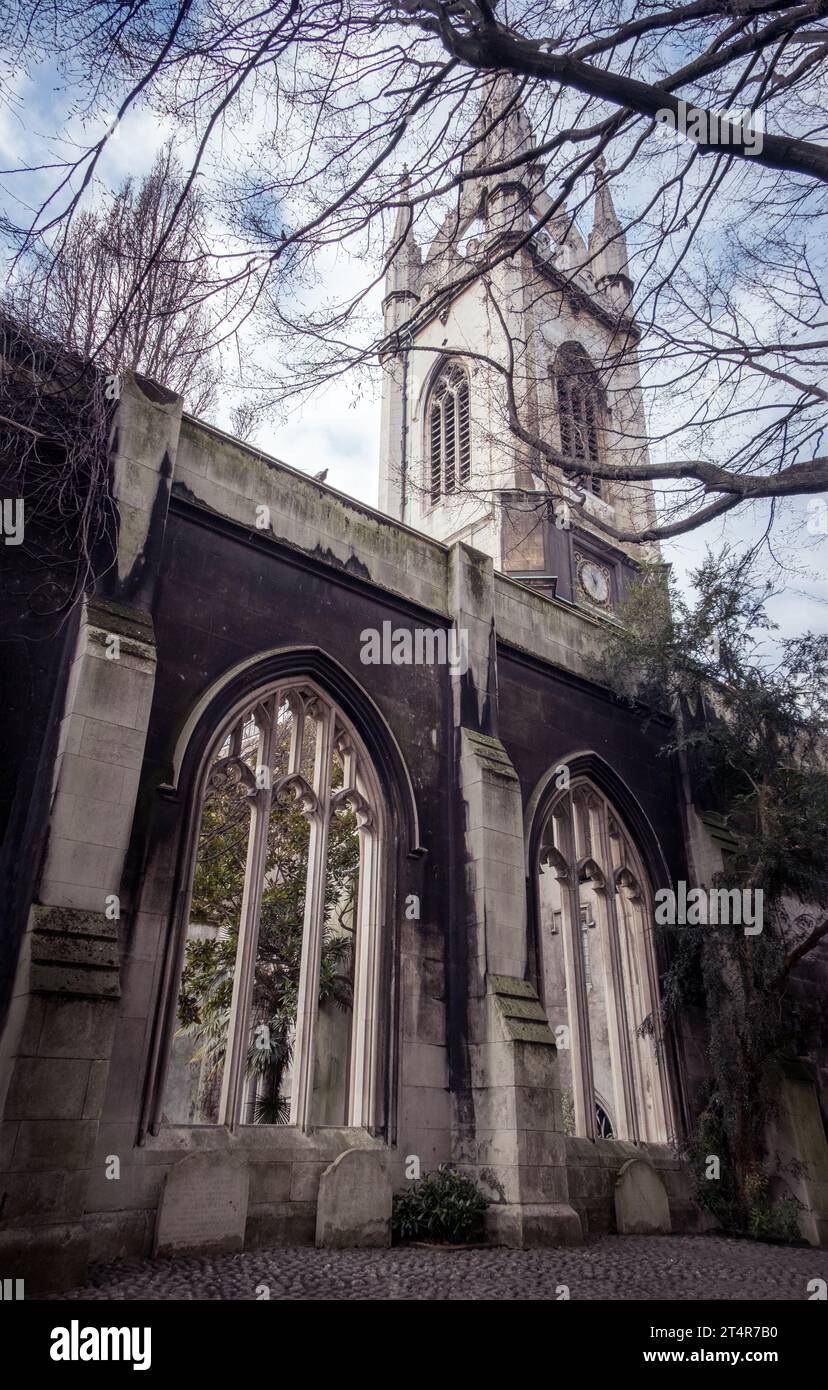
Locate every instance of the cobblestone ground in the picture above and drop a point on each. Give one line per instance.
(611, 1267)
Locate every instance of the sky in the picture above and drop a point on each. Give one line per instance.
(337, 432)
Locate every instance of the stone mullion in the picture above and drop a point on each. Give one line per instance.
(635, 994)
(649, 982)
(443, 446)
(362, 1098)
(312, 928)
(617, 1013)
(173, 967)
(583, 1082)
(232, 1081)
(297, 705)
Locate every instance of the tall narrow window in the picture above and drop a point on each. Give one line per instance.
(579, 410)
(600, 978)
(449, 431)
(278, 998)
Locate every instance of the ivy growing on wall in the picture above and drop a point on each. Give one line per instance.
(749, 716)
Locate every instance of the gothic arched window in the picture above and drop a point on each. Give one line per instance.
(449, 431)
(578, 396)
(278, 1002)
(599, 971)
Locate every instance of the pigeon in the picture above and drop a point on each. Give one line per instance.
(321, 476)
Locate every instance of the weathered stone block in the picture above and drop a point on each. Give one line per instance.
(424, 1019)
(44, 1144)
(74, 950)
(91, 820)
(95, 1090)
(8, 1139)
(354, 1204)
(304, 1181)
(57, 978)
(429, 1146)
(38, 1198)
(87, 866)
(425, 1065)
(137, 1187)
(77, 1028)
(524, 1226)
(104, 742)
(48, 1258)
(91, 777)
(293, 1223)
(430, 1106)
(641, 1206)
(124, 1236)
(269, 1182)
(47, 1088)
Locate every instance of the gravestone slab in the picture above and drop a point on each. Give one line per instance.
(203, 1206)
(641, 1206)
(354, 1204)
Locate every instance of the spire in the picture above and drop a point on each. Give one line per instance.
(502, 128)
(405, 261)
(502, 133)
(402, 222)
(607, 242)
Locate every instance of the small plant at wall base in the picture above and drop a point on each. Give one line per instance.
(749, 724)
(757, 1214)
(445, 1207)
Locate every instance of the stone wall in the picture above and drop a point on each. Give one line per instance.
(204, 601)
(593, 1170)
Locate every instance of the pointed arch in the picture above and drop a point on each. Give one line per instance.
(597, 964)
(231, 690)
(581, 407)
(357, 777)
(447, 424)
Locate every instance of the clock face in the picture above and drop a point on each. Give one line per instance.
(594, 581)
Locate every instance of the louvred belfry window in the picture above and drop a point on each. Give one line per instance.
(278, 1004)
(449, 432)
(579, 410)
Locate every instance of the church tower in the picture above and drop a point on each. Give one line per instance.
(543, 343)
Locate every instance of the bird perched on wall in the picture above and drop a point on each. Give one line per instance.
(321, 476)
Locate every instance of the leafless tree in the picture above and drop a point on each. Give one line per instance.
(323, 104)
(112, 294)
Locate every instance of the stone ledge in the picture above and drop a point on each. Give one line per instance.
(84, 981)
(524, 1226)
(74, 951)
(77, 951)
(490, 752)
(521, 1012)
(72, 921)
(517, 1031)
(108, 617)
(509, 987)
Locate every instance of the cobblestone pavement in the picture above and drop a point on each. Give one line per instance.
(610, 1267)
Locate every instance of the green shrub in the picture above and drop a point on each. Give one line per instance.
(756, 1215)
(445, 1206)
(778, 1221)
